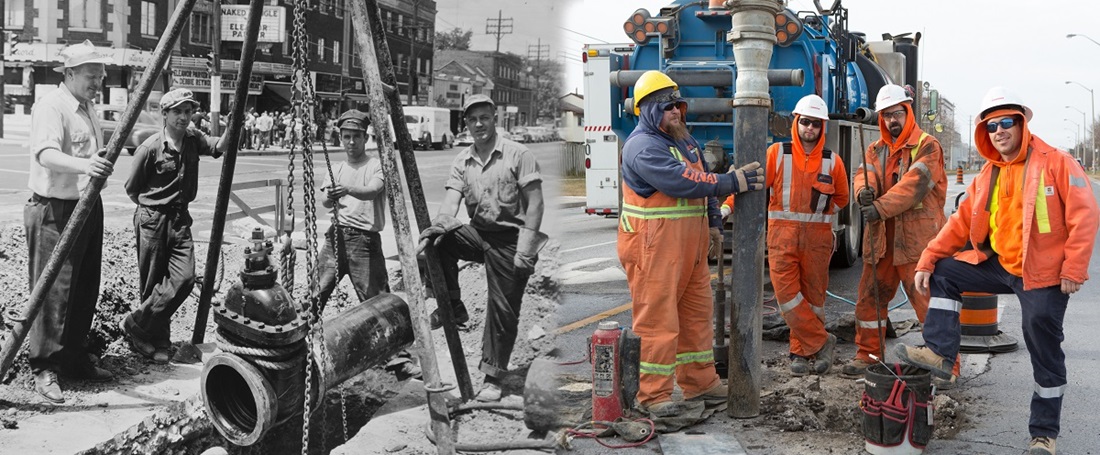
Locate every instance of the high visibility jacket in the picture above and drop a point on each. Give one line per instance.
(911, 187)
(659, 205)
(804, 188)
(1060, 217)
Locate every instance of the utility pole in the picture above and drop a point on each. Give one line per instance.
(216, 78)
(539, 52)
(501, 27)
(412, 50)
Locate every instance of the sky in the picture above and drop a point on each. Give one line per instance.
(967, 47)
(531, 21)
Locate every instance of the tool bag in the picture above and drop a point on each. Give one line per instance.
(897, 406)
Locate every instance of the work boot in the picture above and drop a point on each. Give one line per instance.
(461, 316)
(661, 409)
(142, 346)
(719, 392)
(489, 392)
(45, 383)
(945, 384)
(88, 371)
(854, 369)
(923, 357)
(1041, 445)
(800, 366)
(823, 360)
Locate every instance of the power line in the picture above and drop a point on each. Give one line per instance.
(582, 34)
(502, 27)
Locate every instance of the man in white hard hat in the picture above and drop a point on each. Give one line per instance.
(901, 190)
(65, 143)
(808, 185)
(1027, 227)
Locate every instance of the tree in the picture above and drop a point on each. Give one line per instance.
(548, 78)
(456, 39)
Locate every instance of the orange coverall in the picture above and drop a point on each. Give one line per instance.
(907, 175)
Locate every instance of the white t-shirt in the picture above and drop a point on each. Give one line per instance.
(368, 215)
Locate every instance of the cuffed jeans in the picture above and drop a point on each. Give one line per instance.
(59, 335)
(497, 250)
(1043, 311)
(166, 264)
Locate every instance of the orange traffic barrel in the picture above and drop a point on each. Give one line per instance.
(980, 332)
(959, 176)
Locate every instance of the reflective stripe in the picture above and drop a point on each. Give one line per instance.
(876, 324)
(1050, 392)
(625, 224)
(826, 169)
(656, 368)
(695, 357)
(1077, 181)
(819, 311)
(923, 169)
(940, 303)
(787, 182)
(803, 217)
(786, 307)
(913, 156)
(649, 213)
(1042, 216)
(676, 153)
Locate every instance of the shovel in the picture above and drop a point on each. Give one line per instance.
(190, 353)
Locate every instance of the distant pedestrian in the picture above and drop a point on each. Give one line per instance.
(164, 179)
(65, 145)
(264, 125)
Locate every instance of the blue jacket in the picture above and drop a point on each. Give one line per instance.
(649, 166)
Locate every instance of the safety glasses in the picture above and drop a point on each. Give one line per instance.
(671, 106)
(1006, 123)
(816, 123)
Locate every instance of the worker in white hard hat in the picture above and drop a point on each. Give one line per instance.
(1026, 228)
(669, 218)
(808, 185)
(901, 188)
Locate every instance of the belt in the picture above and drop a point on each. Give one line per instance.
(167, 208)
(37, 198)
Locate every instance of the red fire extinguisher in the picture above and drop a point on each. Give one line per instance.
(607, 402)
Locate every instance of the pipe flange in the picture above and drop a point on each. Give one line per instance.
(241, 422)
(260, 332)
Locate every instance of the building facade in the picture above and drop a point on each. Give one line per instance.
(511, 89)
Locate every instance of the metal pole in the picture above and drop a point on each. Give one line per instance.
(420, 205)
(216, 78)
(83, 208)
(753, 38)
(229, 165)
(406, 248)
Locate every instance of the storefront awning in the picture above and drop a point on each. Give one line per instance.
(283, 89)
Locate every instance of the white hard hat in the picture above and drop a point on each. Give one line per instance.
(1000, 96)
(890, 95)
(812, 106)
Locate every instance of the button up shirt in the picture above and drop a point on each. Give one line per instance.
(60, 122)
(161, 175)
(493, 189)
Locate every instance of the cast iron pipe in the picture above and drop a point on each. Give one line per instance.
(710, 78)
(243, 399)
(64, 246)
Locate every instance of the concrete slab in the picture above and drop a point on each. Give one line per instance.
(695, 442)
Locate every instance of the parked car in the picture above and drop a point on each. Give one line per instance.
(464, 138)
(505, 134)
(522, 134)
(148, 124)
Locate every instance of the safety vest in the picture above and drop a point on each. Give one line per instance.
(819, 201)
(659, 205)
(903, 167)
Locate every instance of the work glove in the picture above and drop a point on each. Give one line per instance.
(715, 243)
(434, 233)
(870, 213)
(865, 197)
(726, 211)
(749, 177)
(527, 250)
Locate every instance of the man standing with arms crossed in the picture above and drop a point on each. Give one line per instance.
(901, 188)
(669, 218)
(65, 142)
(1027, 227)
(502, 187)
(164, 180)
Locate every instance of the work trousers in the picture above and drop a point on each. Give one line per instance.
(356, 253)
(669, 278)
(873, 303)
(497, 250)
(166, 265)
(798, 265)
(58, 337)
(1043, 311)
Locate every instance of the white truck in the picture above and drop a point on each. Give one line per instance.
(429, 127)
(602, 146)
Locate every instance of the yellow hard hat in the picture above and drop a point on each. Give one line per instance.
(651, 81)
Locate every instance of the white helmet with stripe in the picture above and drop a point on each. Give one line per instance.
(812, 106)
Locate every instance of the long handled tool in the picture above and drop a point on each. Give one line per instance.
(721, 348)
(83, 208)
(874, 257)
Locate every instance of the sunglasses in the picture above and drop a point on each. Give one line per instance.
(672, 106)
(1005, 123)
(896, 115)
(810, 122)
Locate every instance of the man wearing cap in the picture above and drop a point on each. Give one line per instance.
(901, 189)
(502, 187)
(65, 144)
(163, 181)
(669, 217)
(1027, 227)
